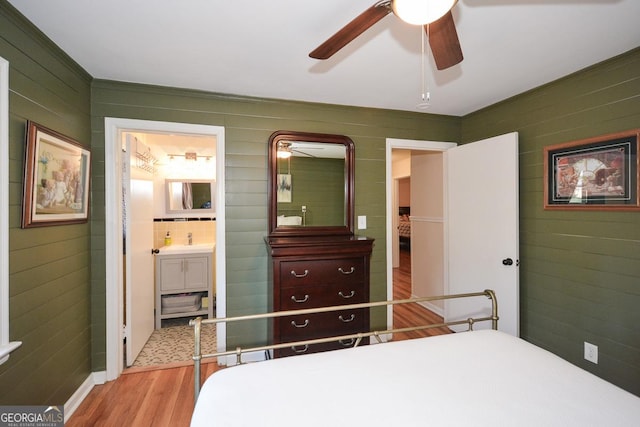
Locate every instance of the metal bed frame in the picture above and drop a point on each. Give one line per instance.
(239, 351)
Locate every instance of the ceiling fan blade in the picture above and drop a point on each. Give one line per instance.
(352, 30)
(444, 42)
(304, 153)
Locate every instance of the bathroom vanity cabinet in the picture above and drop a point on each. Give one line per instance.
(183, 280)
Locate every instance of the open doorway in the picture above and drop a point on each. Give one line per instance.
(402, 277)
(115, 133)
(169, 185)
(409, 162)
(401, 173)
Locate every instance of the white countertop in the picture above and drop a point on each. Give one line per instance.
(187, 249)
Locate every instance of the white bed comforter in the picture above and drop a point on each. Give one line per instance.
(477, 378)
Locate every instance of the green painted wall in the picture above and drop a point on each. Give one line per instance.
(248, 124)
(580, 271)
(49, 267)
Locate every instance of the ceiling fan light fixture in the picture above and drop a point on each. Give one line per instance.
(421, 12)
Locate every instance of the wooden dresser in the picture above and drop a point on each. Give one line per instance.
(318, 271)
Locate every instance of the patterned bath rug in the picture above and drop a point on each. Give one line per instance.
(174, 343)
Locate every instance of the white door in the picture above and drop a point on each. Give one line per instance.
(483, 228)
(139, 283)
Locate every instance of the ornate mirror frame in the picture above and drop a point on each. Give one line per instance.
(288, 137)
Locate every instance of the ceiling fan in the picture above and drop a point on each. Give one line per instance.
(434, 15)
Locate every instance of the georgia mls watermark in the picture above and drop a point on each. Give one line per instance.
(31, 416)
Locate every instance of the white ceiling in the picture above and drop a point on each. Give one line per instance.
(260, 48)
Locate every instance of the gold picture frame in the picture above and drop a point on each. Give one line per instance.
(56, 179)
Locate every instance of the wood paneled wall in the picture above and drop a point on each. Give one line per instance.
(248, 124)
(49, 266)
(579, 271)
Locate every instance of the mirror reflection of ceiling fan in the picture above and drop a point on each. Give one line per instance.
(286, 149)
(434, 15)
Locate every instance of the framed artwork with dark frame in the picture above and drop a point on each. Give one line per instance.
(598, 173)
(56, 179)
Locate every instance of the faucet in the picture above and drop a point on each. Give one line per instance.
(189, 239)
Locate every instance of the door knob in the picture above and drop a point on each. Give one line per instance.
(155, 251)
(507, 261)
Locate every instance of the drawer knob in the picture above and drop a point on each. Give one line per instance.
(350, 319)
(304, 325)
(346, 272)
(294, 274)
(347, 343)
(351, 295)
(305, 299)
(302, 349)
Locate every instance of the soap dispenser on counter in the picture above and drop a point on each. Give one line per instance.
(167, 239)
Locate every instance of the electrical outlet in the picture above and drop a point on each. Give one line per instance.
(362, 222)
(591, 352)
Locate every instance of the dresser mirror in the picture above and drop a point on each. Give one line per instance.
(311, 182)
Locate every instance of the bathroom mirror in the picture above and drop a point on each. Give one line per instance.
(311, 182)
(186, 195)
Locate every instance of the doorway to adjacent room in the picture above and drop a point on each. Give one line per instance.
(114, 130)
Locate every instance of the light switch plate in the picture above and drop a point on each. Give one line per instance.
(362, 222)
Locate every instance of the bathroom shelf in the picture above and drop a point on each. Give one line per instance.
(183, 274)
(197, 313)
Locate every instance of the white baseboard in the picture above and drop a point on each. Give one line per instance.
(430, 306)
(81, 393)
(231, 360)
(99, 377)
(383, 337)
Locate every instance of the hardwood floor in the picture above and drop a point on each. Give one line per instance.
(155, 398)
(164, 397)
(405, 315)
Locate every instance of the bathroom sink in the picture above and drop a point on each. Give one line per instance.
(187, 249)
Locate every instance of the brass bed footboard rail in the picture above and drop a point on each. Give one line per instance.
(238, 351)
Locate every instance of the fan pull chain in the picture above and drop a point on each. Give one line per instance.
(426, 95)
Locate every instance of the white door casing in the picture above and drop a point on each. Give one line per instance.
(114, 128)
(6, 346)
(482, 227)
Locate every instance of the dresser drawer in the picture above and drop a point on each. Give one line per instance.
(310, 326)
(322, 271)
(309, 272)
(301, 297)
(315, 348)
